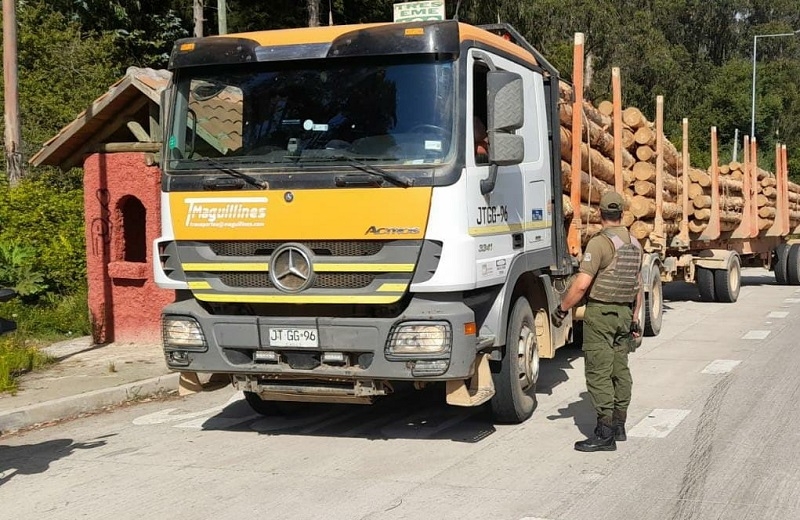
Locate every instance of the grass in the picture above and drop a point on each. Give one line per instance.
(55, 318)
(16, 358)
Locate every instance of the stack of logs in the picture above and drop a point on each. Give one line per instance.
(639, 178)
(731, 182)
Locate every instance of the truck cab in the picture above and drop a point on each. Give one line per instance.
(332, 228)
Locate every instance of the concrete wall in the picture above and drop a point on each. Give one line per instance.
(122, 198)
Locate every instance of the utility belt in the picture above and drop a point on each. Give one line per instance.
(629, 305)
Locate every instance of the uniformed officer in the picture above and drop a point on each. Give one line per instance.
(610, 272)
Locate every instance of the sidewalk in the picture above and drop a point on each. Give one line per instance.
(86, 378)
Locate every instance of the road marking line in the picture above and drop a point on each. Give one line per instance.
(659, 423)
(792, 300)
(756, 334)
(777, 314)
(720, 366)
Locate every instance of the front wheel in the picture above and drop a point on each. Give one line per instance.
(515, 382)
(260, 406)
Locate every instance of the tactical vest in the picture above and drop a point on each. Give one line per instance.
(617, 283)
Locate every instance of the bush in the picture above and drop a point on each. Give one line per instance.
(52, 319)
(17, 357)
(50, 224)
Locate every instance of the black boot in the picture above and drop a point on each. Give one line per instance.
(602, 440)
(618, 424)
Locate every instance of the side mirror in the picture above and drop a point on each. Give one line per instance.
(506, 114)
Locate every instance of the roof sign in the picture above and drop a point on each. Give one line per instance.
(419, 11)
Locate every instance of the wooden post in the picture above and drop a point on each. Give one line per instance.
(683, 237)
(784, 163)
(574, 232)
(616, 87)
(712, 230)
(745, 228)
(197, 13)
(754, 186)
(776, 229)
(658, 223)
(13, 133)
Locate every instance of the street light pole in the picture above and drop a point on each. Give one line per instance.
(755, 49)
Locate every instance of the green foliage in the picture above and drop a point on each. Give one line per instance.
(50, 223)
(16, 358)
(53, 318)
(17, 270)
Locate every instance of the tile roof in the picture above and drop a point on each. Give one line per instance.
(103, 117)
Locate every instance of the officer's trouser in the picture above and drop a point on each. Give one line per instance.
(606, 330)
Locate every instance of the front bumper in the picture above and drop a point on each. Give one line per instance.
(233, 341)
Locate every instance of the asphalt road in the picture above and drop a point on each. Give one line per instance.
(714, 432)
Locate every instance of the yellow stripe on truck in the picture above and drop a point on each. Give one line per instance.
(318, 268)
(290, 298)
(321, 214)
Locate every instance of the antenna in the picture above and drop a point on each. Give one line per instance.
(455, 14)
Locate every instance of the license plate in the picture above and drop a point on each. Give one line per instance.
(293, 337)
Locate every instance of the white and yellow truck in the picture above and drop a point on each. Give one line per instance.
(331, 231)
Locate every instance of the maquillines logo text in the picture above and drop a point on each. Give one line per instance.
(226, 212)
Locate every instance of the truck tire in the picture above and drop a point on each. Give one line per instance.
(793, 265)
(653, 304)
(781, 262)
(260, 406)
(515, 382)
(705, 284)
(728, 281)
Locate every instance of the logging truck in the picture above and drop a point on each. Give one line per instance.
(333, 234)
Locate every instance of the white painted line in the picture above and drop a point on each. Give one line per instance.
(777, 314)
(658, 423)
(720, 366)
(756, 334)
(792, 300)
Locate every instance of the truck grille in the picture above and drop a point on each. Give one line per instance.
(319, 247)
(322, 280)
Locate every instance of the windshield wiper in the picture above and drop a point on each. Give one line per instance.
(368, 168)
(236, 173)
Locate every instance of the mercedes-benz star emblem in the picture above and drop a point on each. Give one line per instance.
(291, 269)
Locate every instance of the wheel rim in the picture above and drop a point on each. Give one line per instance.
(528, 356)
(656, 299)
(734, 277)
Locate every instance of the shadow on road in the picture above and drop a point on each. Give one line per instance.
(582, 413)
(30, 459)
(406, 414)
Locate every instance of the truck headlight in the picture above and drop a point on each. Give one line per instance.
(419, 339)
(182, 332)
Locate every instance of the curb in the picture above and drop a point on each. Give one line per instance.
(72, 406)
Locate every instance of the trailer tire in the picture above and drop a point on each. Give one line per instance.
(705, 284)
(653, 304)
(515, 383)
(793, 265)
(781, 264)
(261, 406)
(728, 281)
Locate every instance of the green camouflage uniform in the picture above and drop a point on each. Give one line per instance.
(613, 260)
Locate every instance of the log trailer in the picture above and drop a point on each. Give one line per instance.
(332, 234)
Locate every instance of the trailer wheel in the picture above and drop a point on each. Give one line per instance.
(705, 284)
(728, 281)
(653, 304)
(260, 406)
(793, 265)
(515, 383)
(781, 264)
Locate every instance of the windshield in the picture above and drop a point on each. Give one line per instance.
(319, 112)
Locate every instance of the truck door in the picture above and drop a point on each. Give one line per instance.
(514, 218)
